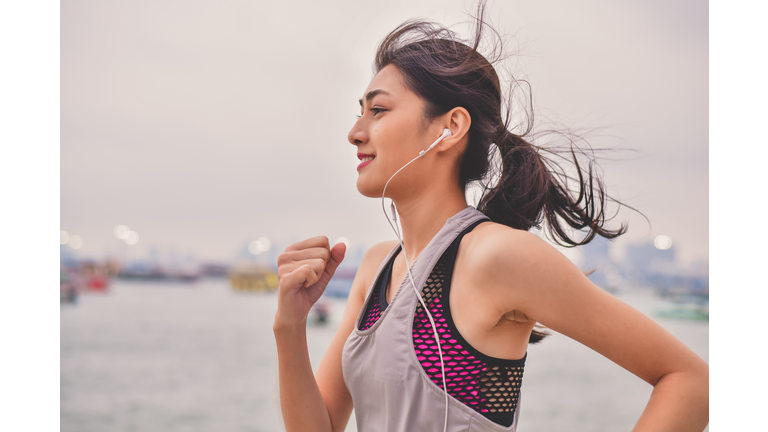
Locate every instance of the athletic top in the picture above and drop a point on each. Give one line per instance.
(397, 389)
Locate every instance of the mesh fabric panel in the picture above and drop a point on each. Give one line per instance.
(378, 302)
(487, 385)
(373, 311)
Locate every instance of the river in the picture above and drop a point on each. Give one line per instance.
(201, 357)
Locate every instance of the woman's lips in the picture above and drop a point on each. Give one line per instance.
(365, 158)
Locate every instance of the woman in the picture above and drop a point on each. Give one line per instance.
(457, 300)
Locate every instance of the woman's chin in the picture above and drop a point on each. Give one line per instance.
(367, 189)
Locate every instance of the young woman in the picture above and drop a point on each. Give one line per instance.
(436, 329)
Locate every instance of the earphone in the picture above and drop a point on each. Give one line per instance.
(446, 133)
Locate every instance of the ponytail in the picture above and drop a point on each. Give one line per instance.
(530, 191)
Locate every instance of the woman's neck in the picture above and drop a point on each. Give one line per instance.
(423, 215)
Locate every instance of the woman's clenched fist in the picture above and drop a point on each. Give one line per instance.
(304, 269)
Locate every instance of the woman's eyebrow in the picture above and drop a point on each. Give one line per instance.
(370, 95)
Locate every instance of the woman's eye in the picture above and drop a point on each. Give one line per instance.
(374, 110)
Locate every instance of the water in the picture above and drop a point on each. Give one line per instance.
(178, 358)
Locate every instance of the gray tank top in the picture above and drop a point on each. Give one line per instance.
(390, 389)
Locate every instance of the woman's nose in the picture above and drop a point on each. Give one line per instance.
(357, 134)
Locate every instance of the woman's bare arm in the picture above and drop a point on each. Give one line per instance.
(312, 402)
(532, 277)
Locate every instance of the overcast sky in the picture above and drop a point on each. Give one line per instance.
(205, 124)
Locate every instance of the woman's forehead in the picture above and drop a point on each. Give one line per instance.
(389, 80)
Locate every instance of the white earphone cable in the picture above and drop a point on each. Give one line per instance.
(410, 276)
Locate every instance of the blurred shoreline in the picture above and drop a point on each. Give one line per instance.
(641, 265)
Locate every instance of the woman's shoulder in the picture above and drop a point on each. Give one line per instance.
(377, 253)
(371, 261)
(494, 239)
(497, 249)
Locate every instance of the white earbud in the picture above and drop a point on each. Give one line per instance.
(446, 133)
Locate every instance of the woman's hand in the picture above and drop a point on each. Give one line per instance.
(309, 401)
(304, 269)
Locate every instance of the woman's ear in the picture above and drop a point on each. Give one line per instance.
(458, 121)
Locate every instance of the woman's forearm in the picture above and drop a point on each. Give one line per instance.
(300, 399)
(679, 402)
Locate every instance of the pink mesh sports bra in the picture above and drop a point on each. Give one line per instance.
(488, 385)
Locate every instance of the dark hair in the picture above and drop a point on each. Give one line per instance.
(531, 189)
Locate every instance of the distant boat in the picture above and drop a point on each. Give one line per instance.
(149, 273)
(87, 277)
(67, 288)
(692, 312)
(155, 272)
(688, 306)
(94, 277)
(319, 315)
(253, 277)
(214, 270)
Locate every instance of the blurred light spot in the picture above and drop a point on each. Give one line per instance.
(611, 272)
(75, 242)
(662, 242)
(343, 240)
(64, 237)
(264, 243)
(261, 244)
(121, 232)
(254, 247)
(132, 238)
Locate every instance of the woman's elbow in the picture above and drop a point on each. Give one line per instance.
(690, 386)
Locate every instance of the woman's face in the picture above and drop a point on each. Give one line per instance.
(389, 133)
